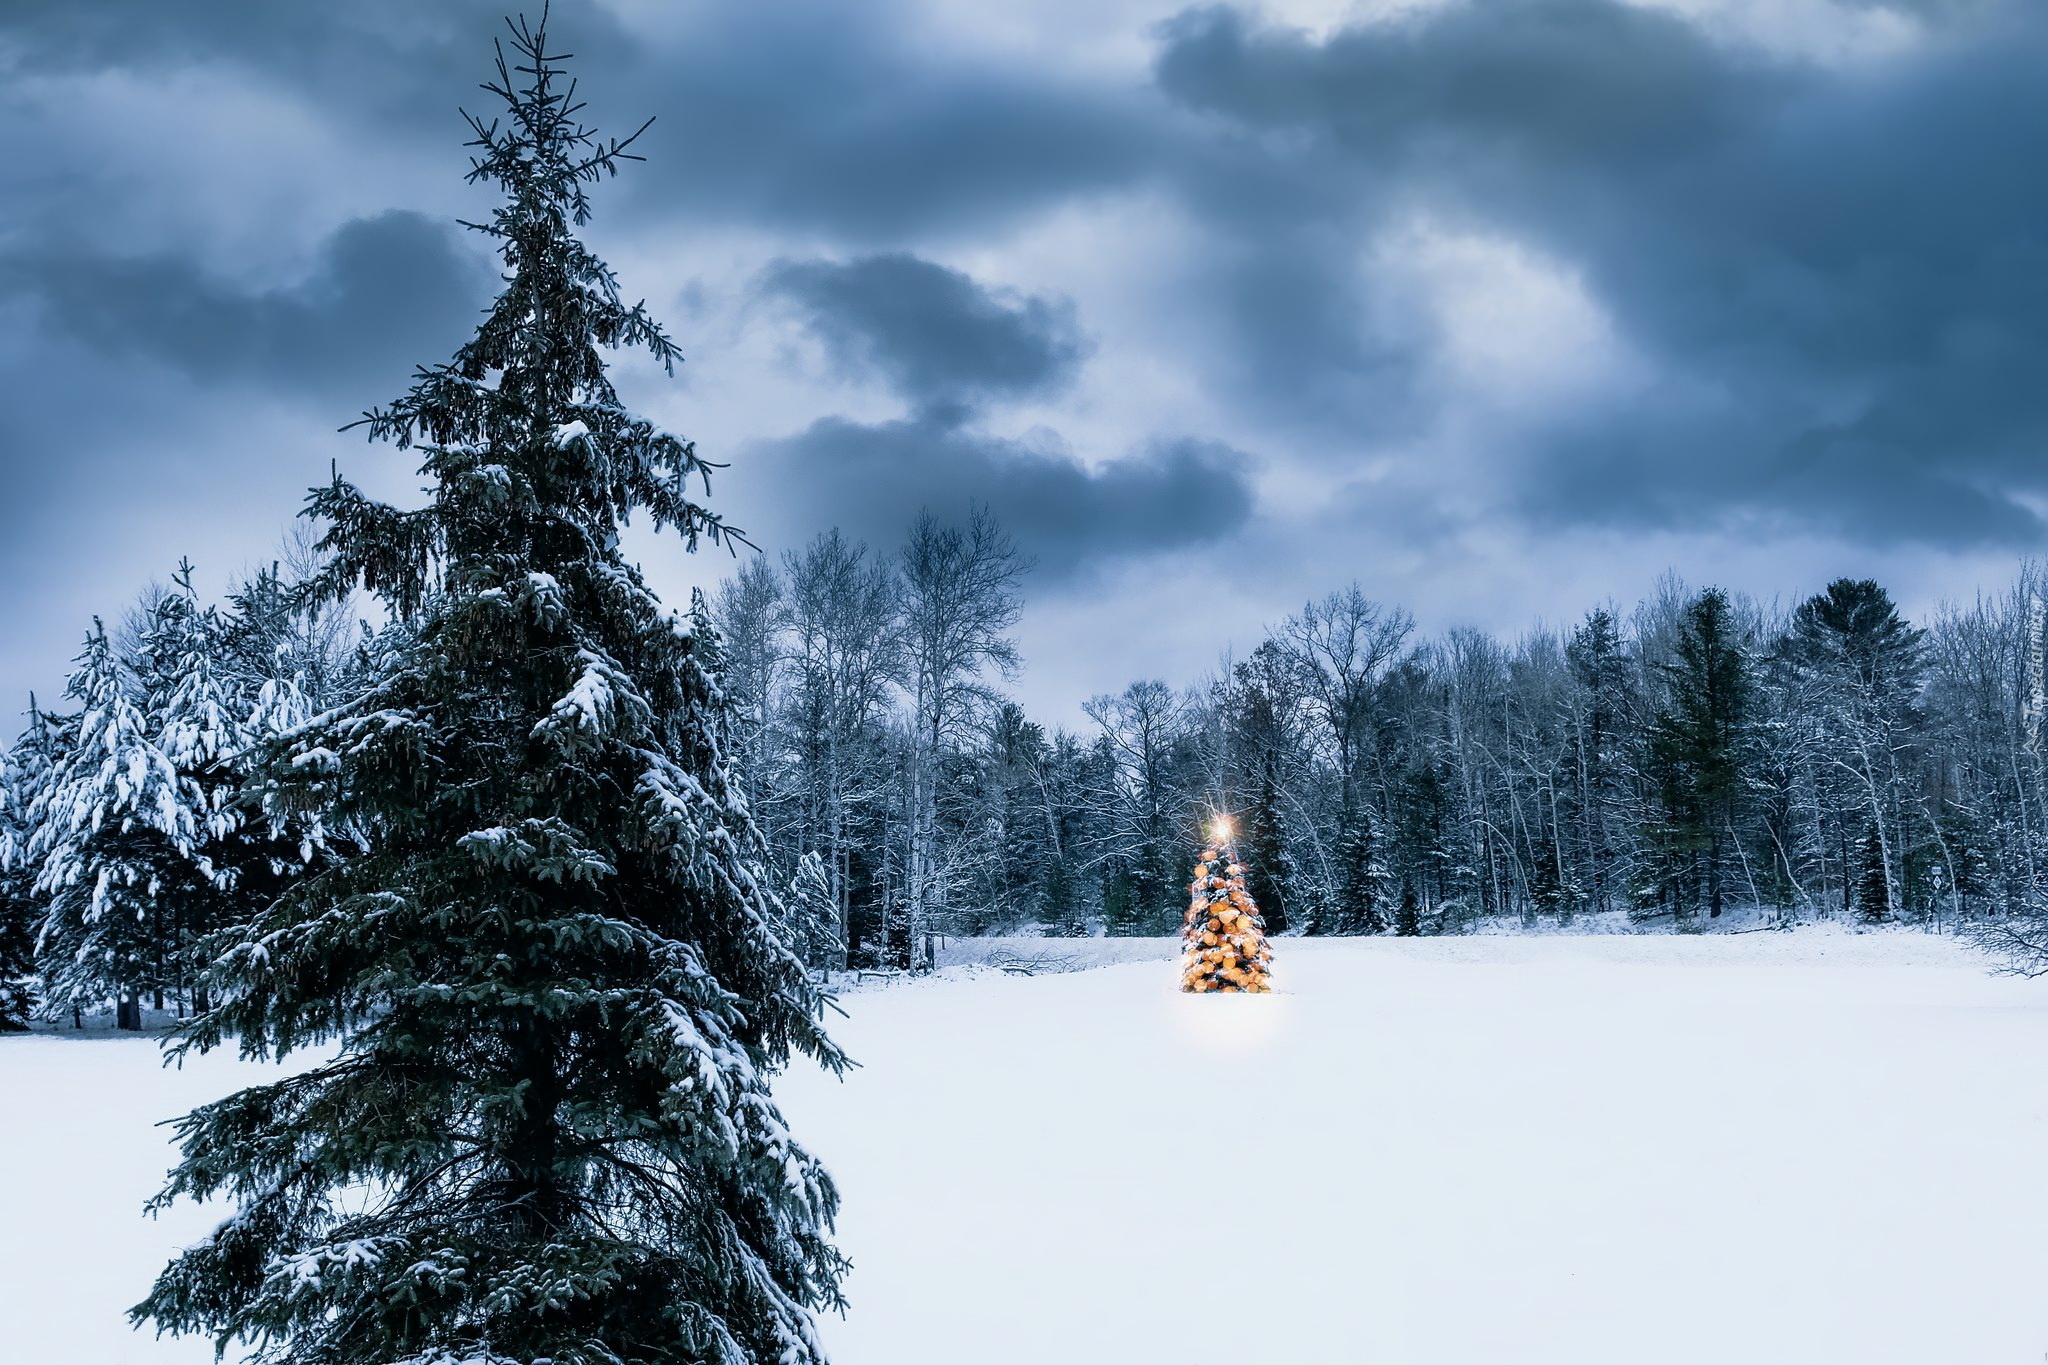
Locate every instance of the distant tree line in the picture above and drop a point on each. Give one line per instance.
(1696, 752)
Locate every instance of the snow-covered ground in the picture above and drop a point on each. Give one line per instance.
(1807, 1147)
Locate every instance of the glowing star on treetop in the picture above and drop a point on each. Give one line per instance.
(1225, 941)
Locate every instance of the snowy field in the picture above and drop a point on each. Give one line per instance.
(1809, 1147)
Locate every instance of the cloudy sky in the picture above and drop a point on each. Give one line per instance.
(1500, 307)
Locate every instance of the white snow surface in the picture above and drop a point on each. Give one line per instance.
(1806, 1147)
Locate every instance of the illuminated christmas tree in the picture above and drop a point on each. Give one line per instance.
(1226, 941)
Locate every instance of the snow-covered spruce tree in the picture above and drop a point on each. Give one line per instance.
(811, 915)
(1361, 876)
(24, 767)
(200, 724)
(1224, 944)
(119, 842)
(554, 978)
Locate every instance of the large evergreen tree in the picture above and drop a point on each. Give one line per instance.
(1857, 666)
(554, 976)
(1699, 743)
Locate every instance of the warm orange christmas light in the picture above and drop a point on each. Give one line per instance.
(1226, 948)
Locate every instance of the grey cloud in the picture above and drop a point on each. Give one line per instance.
(1674, 472)
(836, 118)
(109, 473)
(940, 338)
(870, 480)
(116, 468)
(1852, 260)
(395, 65)
(807, 113)
(1555, 82)
(386, 293)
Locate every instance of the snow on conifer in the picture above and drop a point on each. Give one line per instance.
(1224, 942)
(810, 915)
(119, 836)
(24, 769)
(555, 978)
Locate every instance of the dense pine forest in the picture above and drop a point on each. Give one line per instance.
(1694, 753)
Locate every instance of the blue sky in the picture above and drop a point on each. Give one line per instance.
(1500, 307)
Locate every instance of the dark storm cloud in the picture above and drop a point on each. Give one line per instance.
(164, 411)
(834, 117)
(807, 113)
(870, 480)
(940, 338)
(398, 63)
(1559, 82)
(1851, 262)
(385, 293)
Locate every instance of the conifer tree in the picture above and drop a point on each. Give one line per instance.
(811, 914)
(1269, 877)
(1858, 667)
(1599, 664)
(555, 978)
(119, 843)
(128, 843)
(17, 956)
(1060, 909)
(1224, 944)
(1361, 875)
(1873, 884)
(1408, 918)
(23, 766)
(199, 724)
(1698, 750)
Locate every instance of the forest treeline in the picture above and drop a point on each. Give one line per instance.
(1666, 761)
(1669, 760)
